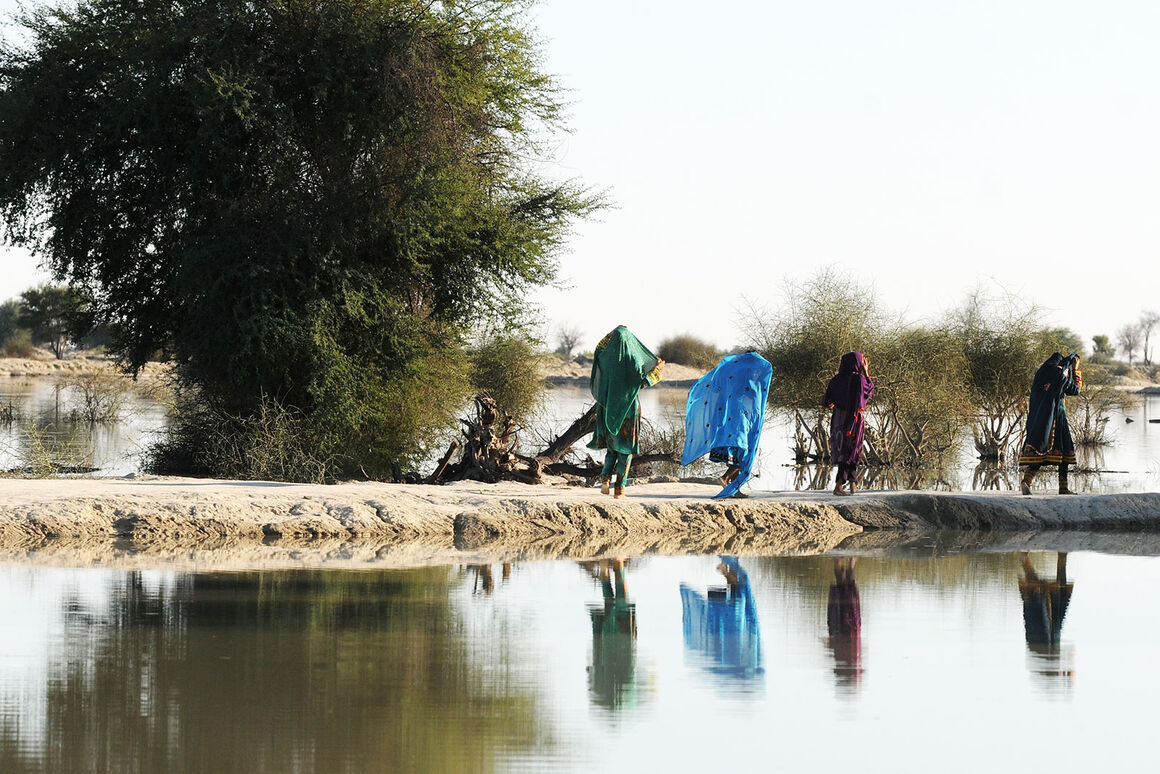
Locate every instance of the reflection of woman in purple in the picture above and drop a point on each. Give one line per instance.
(847, 394)
(844, 623)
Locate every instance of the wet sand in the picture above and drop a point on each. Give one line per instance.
(237, 524)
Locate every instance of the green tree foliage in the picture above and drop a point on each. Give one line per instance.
(304, 201)
(1102, 347)
(506, 368)
(9, 320)
(1061, 340)
(55, 315)
(689, 350)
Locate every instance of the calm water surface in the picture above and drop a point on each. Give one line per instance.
(44, 409)
(961, 663)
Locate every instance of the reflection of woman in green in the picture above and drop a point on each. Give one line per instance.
(611, 676)
(621, 367)
(1044, 606)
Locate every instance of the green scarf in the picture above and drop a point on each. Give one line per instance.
(622, 366)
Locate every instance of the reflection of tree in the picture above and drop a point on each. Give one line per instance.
(811, 477)
(1044, 607)
(844, 624)
(991, 477)
(483, 580)
(721, 627)
(611, 678)
(280, 671)
(817, 476)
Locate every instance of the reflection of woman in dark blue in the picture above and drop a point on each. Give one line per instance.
(844, 623)
(610, 678)
(1044, 606)
(723, 625)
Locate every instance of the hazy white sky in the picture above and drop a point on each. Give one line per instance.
(923, 147)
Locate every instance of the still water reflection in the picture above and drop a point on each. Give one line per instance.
(957, 663)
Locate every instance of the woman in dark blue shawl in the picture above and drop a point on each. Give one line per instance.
(1047, 440)
(847, 394)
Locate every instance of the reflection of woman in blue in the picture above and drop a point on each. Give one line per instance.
(611, 676)
(722, 626)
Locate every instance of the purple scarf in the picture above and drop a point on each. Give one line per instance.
(850, 389)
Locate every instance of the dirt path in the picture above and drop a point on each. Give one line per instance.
(256, 524)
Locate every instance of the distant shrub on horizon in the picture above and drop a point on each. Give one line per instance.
(18, 344)
(690, 351)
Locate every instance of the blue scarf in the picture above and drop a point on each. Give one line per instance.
(726, 409)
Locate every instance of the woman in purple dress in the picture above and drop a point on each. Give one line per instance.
(847, 394)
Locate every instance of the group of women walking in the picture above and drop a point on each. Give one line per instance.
(725, 413)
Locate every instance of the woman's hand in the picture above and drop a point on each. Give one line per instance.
(866, 366)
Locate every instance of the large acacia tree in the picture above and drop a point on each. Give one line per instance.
(300, 201)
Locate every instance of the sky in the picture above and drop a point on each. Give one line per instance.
(923, 149)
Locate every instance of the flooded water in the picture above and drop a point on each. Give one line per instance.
(961, 663)
(45, 421)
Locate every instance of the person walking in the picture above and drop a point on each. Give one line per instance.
(621, 368)
(724, 417)
(847, 394)
(1047, 440)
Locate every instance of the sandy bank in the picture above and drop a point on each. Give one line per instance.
(577, 373)
(259, 524)
(21, 367)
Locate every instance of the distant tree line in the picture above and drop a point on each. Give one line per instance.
(51, 316)
(1138, 336)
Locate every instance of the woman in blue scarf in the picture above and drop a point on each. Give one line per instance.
(724, 417)
(1048, 440)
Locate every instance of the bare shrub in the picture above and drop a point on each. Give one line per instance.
(1003, 345)
(920, 407)
(568, 337)
(1090, 412)
(275, 444)
(98, 397)
(821, 320)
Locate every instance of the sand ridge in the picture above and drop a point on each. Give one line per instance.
(194, 522)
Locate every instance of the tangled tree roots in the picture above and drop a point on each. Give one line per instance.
(489, 454)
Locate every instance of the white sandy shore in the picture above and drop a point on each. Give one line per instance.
(205, 523)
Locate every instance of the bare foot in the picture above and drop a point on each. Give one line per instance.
(1066, 491)
(1024, 488)
(619, 493)
(604, 487)
(840, 492)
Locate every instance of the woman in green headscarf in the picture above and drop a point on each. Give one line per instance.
(621, 368)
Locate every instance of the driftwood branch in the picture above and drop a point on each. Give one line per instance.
(489, 451)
